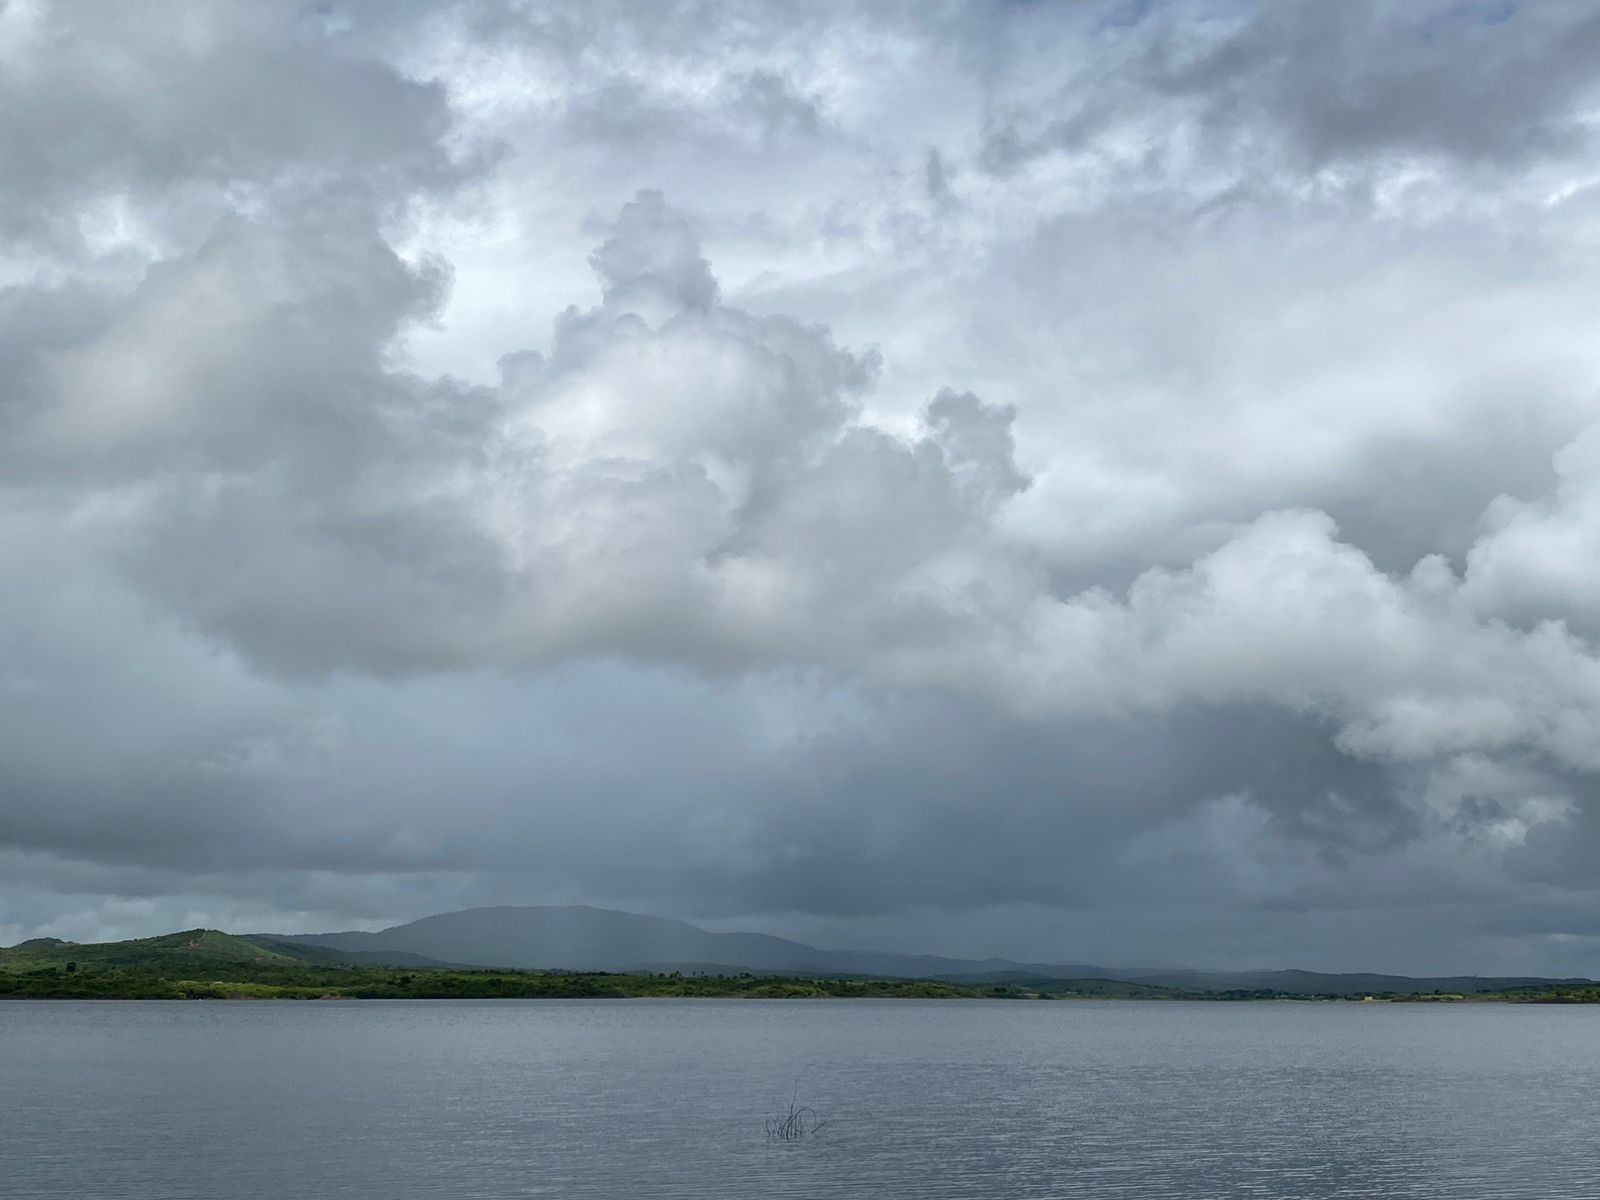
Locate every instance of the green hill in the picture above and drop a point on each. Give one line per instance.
(192, 947)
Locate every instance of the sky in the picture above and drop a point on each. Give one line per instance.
(1105, 481)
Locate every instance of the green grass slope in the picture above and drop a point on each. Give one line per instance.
(172, 950)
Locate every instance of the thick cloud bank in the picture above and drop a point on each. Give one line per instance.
(1069, 482)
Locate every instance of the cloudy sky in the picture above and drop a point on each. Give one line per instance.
(1114, 481)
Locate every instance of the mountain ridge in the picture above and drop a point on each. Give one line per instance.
(586, 938)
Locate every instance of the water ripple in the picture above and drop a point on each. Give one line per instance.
(923, 1099)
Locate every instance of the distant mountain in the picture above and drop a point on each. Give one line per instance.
(597, 939)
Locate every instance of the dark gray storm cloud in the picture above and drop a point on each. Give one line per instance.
(1487, 84)
(181, 111)
(1088, 481)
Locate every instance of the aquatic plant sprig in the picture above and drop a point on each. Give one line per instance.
(799, 1123)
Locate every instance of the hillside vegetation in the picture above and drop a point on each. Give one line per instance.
(209, 964)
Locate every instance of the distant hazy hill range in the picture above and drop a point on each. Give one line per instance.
(596, 939)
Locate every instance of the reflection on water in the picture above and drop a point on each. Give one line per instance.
(670, 1098)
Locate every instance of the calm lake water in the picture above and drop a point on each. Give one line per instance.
(667, 1098)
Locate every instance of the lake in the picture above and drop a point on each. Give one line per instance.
(392, 1099)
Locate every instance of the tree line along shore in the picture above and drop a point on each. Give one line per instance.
(211, 965)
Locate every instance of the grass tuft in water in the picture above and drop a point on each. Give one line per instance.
(799, 1123)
